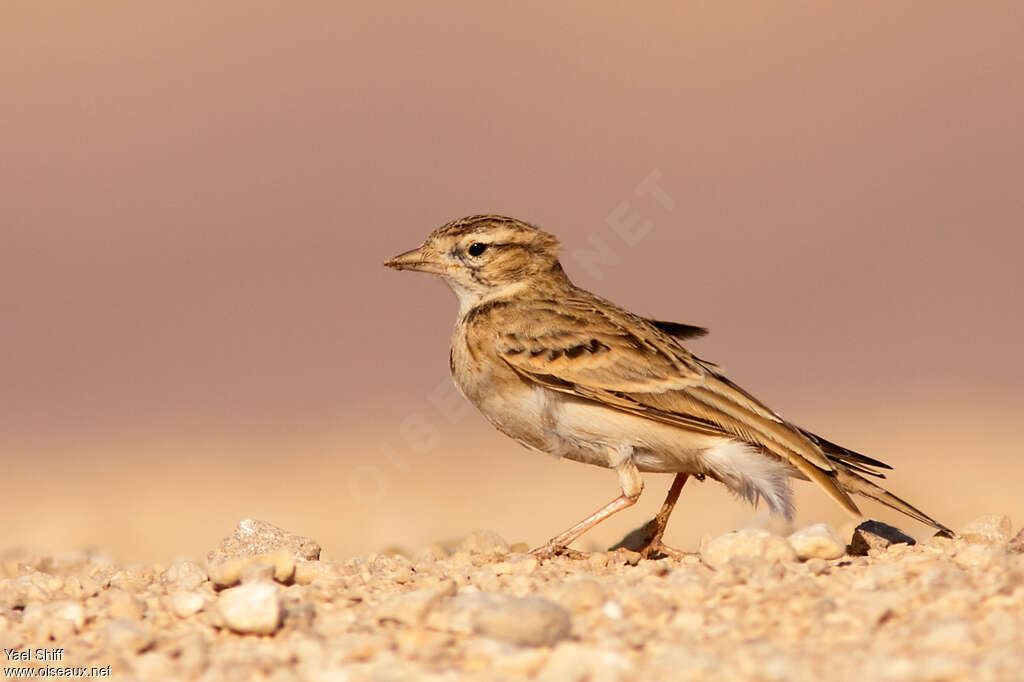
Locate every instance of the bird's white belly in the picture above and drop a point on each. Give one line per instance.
(584, 431)
(566, 426)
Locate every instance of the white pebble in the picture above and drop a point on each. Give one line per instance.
(747, 544)
(411, 608)
(613, 610)
(530, 621)
(254, 608)
(817, 542)
(992, 529)
(184, 604)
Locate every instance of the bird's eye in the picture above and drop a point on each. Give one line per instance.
(477, 248)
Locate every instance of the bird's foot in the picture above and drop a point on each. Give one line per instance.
(659, 550)
(647, 541)
(551, 550)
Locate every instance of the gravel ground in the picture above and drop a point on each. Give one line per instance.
(750, 606)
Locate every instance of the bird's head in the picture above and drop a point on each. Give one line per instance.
(484, 256)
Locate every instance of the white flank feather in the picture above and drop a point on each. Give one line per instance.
(752, 475)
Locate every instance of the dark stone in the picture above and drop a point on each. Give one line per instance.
(876, 535)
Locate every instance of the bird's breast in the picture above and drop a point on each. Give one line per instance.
(508, 402)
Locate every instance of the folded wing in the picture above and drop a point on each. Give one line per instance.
(587, 347)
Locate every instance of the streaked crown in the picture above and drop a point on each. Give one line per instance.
(501, 243)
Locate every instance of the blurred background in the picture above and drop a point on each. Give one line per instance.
(196, 199)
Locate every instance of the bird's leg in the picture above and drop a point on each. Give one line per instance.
(632, 486)
(656, 526)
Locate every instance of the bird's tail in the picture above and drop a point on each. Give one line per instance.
(855, 483)
(850, 468)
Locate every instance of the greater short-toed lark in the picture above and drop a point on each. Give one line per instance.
(567, 372)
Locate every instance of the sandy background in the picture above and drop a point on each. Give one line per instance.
(195, 202)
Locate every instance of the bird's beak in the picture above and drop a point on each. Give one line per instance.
(417, 259)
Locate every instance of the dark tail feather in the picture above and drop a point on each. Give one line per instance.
(837, 453)
(851, 465)
(849, 480)
(849, 468)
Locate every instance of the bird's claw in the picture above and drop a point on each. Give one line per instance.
(659, 550)
(551, 550)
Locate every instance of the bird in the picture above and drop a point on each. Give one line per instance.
(566, 372)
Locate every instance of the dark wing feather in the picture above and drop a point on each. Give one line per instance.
(838, 453)
(679, 330)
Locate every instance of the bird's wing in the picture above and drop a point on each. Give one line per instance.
(587, 347)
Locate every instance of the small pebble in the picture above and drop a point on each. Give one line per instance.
(483, 542)
(254, 608)
(257, 572)
(875, 535)
(410, 608)
(227, 573)
(254, 538)
(817, 542)
(747, 544)
(184, 575)
(527, 621)
(582, 594)
(45, 616)
(516, 564)
(816, 566)
(184, 604)
(613, 610)
(120, 604)
(128, 635)
(308, 571)
(992, 529)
